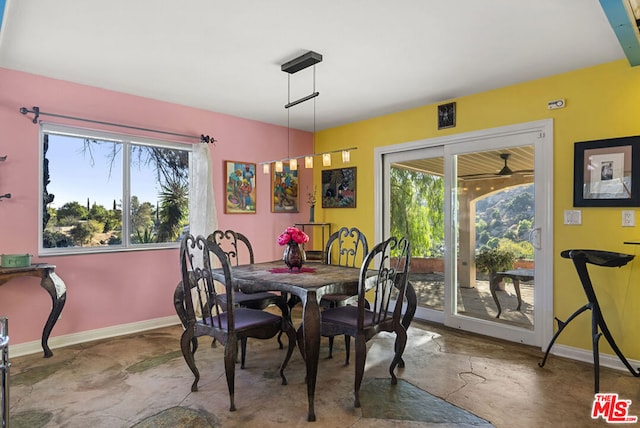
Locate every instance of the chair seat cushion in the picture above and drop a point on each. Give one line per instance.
(345, 315)
(247, 318)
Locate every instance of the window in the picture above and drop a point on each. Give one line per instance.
(106, 192)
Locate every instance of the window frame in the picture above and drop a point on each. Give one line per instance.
(126, 140)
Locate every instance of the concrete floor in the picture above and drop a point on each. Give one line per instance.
(142, 380)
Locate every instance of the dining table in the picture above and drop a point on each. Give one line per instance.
(309, 284)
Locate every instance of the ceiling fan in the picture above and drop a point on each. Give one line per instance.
(504, 172)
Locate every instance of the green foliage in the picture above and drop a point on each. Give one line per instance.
(52, 239)
(73, 210)
(520, 249)
(141, 215)
(174, 210)
(83, 231)
(145, 237)
(494, 260)
(417, 210)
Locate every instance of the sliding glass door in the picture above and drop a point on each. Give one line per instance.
(477, 211)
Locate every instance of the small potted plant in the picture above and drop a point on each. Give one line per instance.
(492, 260)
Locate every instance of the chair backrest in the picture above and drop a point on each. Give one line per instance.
(235, 245)
(351, 247)
(197, 282)
(390, 261)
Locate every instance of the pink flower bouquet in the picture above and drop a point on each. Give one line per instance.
(293, 234)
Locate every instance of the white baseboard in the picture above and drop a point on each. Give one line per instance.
(606, 360)
(91, 335)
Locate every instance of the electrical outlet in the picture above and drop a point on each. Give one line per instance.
(628, 218)
(572, 217)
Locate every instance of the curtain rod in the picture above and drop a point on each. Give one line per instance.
(36, 111)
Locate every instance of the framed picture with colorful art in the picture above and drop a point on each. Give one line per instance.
(284, 190)
(240, 183)
(339, 188)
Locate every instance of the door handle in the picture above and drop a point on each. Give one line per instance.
(534, 238)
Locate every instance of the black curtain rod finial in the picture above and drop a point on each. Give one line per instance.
(207, 139)
(36, 111)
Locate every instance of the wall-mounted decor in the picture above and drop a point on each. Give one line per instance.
(446, 115)
(339, 188)
(606, 173)
(284, 190)
(240, 179)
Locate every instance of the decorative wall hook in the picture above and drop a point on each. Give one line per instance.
(6, 195)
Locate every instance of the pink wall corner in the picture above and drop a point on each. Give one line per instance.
(110, 289)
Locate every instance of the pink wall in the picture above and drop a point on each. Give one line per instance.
(105, 290)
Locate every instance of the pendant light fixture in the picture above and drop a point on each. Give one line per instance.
(300, 63)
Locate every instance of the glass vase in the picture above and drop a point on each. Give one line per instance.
(294, 256)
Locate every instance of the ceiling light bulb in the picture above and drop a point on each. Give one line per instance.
(326, 159)
(346, 156)
(279, 166)
(308, 161)
(293, 164)
(265, 168)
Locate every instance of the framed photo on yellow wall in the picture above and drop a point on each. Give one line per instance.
(606, 173)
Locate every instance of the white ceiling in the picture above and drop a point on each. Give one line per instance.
(380, 56)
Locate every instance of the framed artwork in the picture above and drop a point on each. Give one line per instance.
(339, 188)
(240, 182)
(606, 173)
(284, 190)
(447, 115)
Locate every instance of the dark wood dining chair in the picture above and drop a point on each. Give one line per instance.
(345, 247)
(238, 249)
(390, 261)
(227, 325)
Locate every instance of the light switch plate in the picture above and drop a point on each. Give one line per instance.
(628, 218)
(572, 217)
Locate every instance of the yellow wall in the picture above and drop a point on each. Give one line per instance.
(601, 102)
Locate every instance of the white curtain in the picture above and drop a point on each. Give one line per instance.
(202, 206)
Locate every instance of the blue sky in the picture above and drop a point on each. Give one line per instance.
(73, 178)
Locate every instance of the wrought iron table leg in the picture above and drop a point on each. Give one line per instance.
(311, 338)
(58, 299)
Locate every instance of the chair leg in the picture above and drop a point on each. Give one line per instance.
(243, 351)
(185, 346)
(230, 354)
(400, 344)
(291, 334)
(361, 357)
(330, 347)
(347, 347)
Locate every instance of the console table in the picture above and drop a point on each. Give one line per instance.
(324, 242)
(50, 282)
